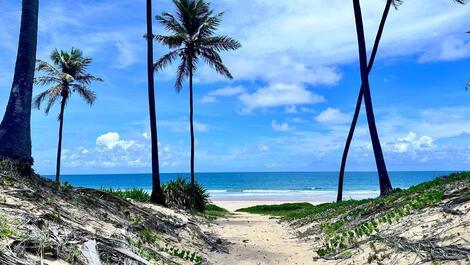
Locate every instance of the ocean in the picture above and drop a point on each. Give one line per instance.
(266, 186)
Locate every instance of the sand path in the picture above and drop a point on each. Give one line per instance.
(257, 239)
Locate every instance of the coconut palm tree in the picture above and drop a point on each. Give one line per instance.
(15, 128)
(192, 39)
(157, 192)
(67, 75)
(385, 185)
(361, 93)
(389, 3)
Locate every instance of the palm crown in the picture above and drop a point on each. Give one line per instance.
(67, 74)
(192, 38)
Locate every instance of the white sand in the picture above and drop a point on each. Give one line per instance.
(257, 239)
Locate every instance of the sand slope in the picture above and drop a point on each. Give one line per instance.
(257, 239)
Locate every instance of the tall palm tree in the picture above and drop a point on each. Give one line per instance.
(385, 185)
(68, 74)
(192, 38)
(361, 93)
(157, 193)
(15, 128)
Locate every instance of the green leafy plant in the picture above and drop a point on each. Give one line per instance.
(139, 195)
(178, 195)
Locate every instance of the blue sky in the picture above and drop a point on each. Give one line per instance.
(290, 103)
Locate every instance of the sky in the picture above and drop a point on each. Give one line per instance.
(289, 106)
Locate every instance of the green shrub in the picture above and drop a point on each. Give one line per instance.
(178, 195)
(138, 195)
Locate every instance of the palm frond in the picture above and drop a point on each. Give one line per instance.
(212, 58)
(170, 23)
(166, 60)
(87, 79)
(88, 95)
(46, 80)
(221, 43)
(172, 42)
(51, 94)
(42, 66)
(181, 74)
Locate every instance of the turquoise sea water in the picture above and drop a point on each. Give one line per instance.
(285, 186)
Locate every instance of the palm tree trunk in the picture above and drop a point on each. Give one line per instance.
(15, 128)
(191, 125)
(157, 193)
(59, 145)
(385, 185)
(359, 101)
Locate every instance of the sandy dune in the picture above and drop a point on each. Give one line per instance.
(257, 239)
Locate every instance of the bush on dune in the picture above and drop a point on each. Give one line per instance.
(178, 195)
(138, 195)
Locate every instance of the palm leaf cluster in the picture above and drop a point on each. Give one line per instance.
(192, 29)
(67, 74)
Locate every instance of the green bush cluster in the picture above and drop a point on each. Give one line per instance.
(178, 195)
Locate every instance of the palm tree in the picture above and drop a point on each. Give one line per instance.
(15, 128)
(385, 185)
(192, 38)
(67, 75)
(359, 99)
(157, 193)
(361, 93)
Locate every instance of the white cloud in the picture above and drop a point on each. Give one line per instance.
(280, 127)
(450, 49)
(111, 140)
(208, 99)
(303, 41)
(332, 116)
(263, 148)
(182, 126)
(412, 143)
(279, 94)
(211, 97)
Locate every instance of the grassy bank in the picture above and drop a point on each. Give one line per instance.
(341, 226)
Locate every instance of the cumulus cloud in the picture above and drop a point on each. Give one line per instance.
(211, 97)
(279, 94)
(111, 140)
(280, 127)
(332, 116)
(412, 143)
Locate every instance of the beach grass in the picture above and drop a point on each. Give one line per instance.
(290, 211)
(213, 212)
(138, 195)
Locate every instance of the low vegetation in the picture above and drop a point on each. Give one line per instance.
(138, 195)
(213, 212)
(178, 195)
(343, 225)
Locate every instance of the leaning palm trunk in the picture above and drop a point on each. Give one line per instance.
(359, 101)
(157, 193)
(15, 129)
(59, 145)
(385, 185)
